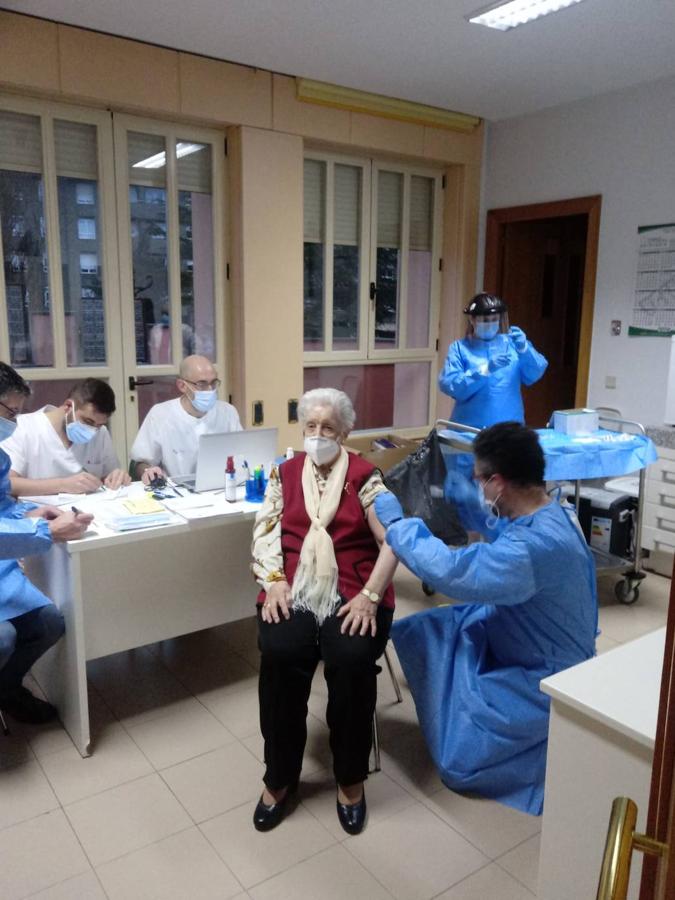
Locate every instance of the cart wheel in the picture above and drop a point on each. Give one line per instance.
(626, 592)
(429, 591)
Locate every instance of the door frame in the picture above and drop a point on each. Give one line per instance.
(498, 219)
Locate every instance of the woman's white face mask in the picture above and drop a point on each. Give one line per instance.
(321, 450)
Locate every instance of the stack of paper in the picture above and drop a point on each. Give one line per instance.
(140, 512)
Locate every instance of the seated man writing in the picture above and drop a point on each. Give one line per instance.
(529, 609)
(66, 449)
(168, 439)
(29, 622)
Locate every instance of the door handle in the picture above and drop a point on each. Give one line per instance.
(621, 841)
(373, 290)
(136, 382)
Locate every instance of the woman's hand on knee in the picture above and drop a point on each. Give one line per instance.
(359, 616)
(277, 602)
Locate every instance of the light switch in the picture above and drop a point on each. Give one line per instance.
(610, 381)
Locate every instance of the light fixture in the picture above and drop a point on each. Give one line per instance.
(516, 12)
(158, 161)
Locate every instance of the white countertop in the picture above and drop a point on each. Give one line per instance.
(620, 688)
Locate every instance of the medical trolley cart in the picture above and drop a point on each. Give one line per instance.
(619, 447)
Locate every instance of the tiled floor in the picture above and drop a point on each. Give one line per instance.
(163, 807)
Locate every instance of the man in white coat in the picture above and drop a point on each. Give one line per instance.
(168, 439)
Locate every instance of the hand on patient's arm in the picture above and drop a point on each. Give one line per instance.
(277, 602)
(69, 526)
(116, 479)
(387, 508)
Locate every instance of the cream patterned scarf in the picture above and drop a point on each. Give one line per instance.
(315, 585)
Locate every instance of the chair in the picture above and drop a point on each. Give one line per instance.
(399, 699)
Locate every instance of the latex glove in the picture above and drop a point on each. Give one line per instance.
(518, 338)
(498, 362)
(387, 508)
(458, 488)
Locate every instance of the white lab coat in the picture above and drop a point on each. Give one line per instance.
(169, 436)
(37, 451)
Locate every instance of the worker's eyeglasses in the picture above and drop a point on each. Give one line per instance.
(13, 413)
(205, 385)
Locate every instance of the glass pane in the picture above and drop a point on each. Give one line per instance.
(419, 261)
(81, 254)
(24, 242)
(149, 248)
(346, 257)
(388, 276)
(195, 217)
(384, 396)
(314, 253)
(159, 389)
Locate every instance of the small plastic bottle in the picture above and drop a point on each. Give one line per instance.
(230, 481)
(290, 453)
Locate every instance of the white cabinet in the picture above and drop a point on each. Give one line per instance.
(658, 528)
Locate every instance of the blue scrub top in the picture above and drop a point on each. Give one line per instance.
(483, 398)
(529, 610)
(18, 537)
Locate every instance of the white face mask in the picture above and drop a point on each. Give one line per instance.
(321, 450)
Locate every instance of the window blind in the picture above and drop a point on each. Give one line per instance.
(141, 147)
(20, 142)
(75, 148)
(194, 169)
(314, 200)
(389, 202)
(347, 203)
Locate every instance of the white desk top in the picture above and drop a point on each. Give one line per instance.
(620, 688)
(99, 535)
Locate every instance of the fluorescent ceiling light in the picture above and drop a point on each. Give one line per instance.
(517, 12)
(158, 161)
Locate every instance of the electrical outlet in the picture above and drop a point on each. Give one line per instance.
(292, 411)
(258, 412)
(610, 381)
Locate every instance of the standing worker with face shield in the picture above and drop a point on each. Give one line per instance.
(484, 370)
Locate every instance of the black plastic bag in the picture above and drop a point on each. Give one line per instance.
(418, 482)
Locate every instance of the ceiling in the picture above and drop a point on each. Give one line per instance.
(424, 51)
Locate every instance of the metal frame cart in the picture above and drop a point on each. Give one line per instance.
(627, 589)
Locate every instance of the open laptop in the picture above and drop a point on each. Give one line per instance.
(256, 446)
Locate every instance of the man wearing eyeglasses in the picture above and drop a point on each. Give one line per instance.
(168, 439)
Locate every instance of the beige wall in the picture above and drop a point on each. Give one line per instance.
(267, 127)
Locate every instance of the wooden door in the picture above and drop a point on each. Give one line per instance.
(541, 259)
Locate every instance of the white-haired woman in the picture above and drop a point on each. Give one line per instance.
(325, 576)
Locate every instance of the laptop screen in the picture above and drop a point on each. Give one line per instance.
(255, 446)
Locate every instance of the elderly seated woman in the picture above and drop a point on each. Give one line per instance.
(325, 576)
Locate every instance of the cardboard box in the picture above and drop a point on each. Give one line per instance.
(575, 421)
(383, 458)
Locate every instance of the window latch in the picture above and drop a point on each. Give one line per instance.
(373, 290)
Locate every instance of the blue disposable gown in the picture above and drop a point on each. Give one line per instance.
(474, 670)
(18, 537)
(483, 398)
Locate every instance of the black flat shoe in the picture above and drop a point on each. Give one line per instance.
(352, 816)
(266, 817)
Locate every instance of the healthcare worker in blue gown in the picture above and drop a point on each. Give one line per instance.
(29, 621)
(529, 609)
(484, 370)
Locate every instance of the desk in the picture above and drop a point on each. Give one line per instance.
(600, 746)
(122, 590)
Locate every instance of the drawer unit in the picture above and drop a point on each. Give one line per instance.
(658, 524)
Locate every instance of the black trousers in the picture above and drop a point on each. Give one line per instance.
(291, 651)
(23, 640)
